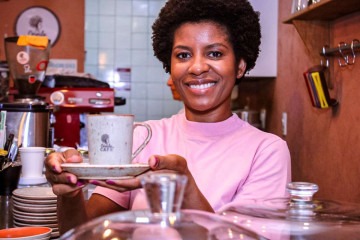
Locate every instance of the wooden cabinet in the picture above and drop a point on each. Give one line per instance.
(313, 23)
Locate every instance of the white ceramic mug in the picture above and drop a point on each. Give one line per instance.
(32, 161)
(110, 138)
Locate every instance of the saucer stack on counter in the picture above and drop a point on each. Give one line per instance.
(35, 206)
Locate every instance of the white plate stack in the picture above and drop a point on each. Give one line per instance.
(35, 206)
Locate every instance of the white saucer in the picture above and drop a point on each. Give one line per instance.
(24, 205)
(32, 180)
(19, 217)
(35, 209)
(50, 225)
(37, 193)
(33, 201)
(30, 214)
(24, 220)
(103, 172)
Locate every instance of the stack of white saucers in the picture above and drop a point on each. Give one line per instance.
(35, 206)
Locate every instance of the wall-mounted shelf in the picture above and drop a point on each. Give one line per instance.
(313, 23)
(326, 10)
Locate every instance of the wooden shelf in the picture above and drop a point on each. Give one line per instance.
(313, 23)
(325, 10)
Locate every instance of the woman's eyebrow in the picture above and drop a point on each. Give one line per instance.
(181, 47)
(214, 45)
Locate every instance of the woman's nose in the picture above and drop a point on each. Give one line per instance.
(198, 65)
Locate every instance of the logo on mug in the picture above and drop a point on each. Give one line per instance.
(105, 145)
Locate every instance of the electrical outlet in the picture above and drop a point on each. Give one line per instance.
(284, 123)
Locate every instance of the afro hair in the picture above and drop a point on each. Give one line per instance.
(238, 16)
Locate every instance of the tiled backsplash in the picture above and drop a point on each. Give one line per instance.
(118, 35)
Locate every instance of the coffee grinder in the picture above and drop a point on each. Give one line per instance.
(27, 115)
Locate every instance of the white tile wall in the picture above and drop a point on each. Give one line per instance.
(118, 35)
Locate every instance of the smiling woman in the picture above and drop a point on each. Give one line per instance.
(203, 70)
(206, 46)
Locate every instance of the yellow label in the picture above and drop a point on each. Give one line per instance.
(320, 91)
(3, 152)
(36, 41)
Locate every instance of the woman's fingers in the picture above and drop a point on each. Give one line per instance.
(121, 185)
(72, 156)
(170, 162)
(67, 190)
(174, 163)
(62, 183)
(63, 177)
(53, 162)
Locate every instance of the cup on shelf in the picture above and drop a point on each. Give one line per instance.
(310, 2)
(298, 5)
(32, 161)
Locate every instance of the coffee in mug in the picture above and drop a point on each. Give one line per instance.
(110, 138)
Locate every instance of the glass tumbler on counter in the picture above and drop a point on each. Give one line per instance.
(164, 192)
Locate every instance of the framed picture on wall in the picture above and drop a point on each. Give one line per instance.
(39, 21)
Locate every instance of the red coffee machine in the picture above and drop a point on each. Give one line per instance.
(72, 98)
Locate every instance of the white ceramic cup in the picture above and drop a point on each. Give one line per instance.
(110, 138)
(32, 161)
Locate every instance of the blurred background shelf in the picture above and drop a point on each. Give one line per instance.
(325, 10)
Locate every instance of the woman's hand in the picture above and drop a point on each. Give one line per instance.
(193, 198)
(63, 183)
(124, 185)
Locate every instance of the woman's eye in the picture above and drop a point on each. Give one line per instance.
(183, 55)
(215, 54)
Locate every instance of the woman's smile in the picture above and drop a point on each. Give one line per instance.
(201, 86)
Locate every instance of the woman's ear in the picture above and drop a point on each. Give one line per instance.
(241, 69)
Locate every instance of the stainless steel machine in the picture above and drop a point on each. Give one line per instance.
(27, 115)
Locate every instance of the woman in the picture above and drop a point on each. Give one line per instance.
(206, 46)
(175, 94)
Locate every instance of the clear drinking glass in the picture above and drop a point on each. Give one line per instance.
(164, 192)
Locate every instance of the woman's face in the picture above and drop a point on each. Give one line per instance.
(204, 70)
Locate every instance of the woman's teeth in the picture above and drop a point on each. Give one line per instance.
(202, 86)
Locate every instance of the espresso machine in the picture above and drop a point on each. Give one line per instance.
(27, 114)
(73, 97)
